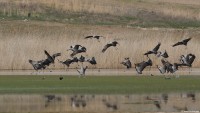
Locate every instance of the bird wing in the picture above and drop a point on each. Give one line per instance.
(178, 43)
(157, 47)
(88, 37)
(141, 66)
(162, 69)
(129, 65)
(191, 60)
(56, 55)
(97, 37)
(165, 54)
(74, 53)
(106, 47)
(148, 52)
(67, 62)
(163, 61)
(48, 56)
(187, 58)
(186, 40)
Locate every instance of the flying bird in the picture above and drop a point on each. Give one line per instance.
(163, 54)
(154, 51)
(77, 49)
(82, 71)
(92, 61)
(183, 42)
(168, 67)
(187, 60)
(141, 66)
(95, 37)
(114, 44)
(127, 63)
(81, 59)
(69, 61)
(37, 65)
(50, 59)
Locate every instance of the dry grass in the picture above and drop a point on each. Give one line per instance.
(173, 8)
(21, 41)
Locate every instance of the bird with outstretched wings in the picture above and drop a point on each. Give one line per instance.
(154, 51)
(114, 43)
(183, 42)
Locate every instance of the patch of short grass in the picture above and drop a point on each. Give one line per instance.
(97, 84)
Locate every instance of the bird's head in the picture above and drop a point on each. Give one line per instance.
(127, 58)
(115, 42)
(30, 61)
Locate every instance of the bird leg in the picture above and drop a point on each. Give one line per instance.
(99, 70)
(32, 72)
(189, 70)
(49, 70)
(150, 70)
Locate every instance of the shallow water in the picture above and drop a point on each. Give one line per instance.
(175, 102)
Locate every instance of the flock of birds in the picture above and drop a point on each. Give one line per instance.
(167, 67)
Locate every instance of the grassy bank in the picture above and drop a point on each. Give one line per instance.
(97, 85)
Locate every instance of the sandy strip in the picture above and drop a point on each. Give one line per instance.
(99, 72)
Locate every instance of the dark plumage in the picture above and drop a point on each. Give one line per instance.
(187, 60)
(141, 66)
(92, 61)
(69, 61)
(183, 42)
(163, 54)
(154, 51)
(37, 65)
(50, 59)
(114, 44)
(168, 67)
(127, 63)
(81, 59)
(77, 49)
(95, 36)
(61, 78)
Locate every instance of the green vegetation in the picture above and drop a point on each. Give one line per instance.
(136, 13)
(97, 84)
